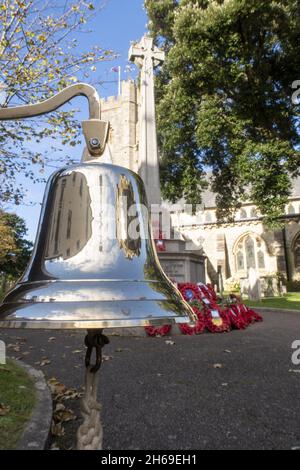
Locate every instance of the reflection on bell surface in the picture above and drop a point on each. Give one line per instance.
(94, 264)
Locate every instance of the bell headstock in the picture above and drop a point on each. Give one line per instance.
(95, 131)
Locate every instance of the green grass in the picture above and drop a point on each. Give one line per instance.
(18, 393)
(289, 301)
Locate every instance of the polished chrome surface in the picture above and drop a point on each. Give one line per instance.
(94, 263)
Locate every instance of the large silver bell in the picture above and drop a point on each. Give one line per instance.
(94, 263)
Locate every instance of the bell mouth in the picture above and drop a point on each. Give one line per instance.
(87, 324)
(96, 305)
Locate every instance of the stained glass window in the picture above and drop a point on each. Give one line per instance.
(240, 260)
(250, 253)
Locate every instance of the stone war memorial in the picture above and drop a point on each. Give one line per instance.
(133, 143)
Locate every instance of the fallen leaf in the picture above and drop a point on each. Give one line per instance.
(56, 387)
(54, 446)
(4, 410)
(77, 351)
(71, 394)
(218, 366)
(62, 414)
(43, 362)
(59, 407)
(60, 392)
(171, 343)
(52, 338)
(227, 351)
(106, 358)
(57, 429)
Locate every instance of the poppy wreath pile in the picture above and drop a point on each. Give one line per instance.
(249, 315)
(215, 320)
(203, 300)
(199, 327)
(190, 293)
(238, 314)
(207, 290)
(158, 331)
(237, 320)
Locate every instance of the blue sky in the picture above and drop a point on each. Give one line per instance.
(114, 27)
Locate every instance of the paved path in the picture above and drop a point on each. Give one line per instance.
(162, 396)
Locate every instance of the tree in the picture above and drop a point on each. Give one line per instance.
(38, 57)
(7, 243)
(15, 250)
(224, 100)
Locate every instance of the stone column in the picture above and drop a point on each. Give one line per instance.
(147, 56)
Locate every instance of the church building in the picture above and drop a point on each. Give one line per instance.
(205, 247)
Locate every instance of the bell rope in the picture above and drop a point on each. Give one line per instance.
(90, 433)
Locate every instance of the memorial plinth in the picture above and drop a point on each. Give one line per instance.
(181, 264)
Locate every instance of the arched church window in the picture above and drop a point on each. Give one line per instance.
(251, 252)
(243, 214)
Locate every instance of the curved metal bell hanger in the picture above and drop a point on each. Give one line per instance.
(95, 131)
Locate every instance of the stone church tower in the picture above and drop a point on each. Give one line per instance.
(122, 113)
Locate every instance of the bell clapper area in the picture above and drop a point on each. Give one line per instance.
(90, 433)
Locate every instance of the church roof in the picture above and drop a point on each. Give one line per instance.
(209, 198)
